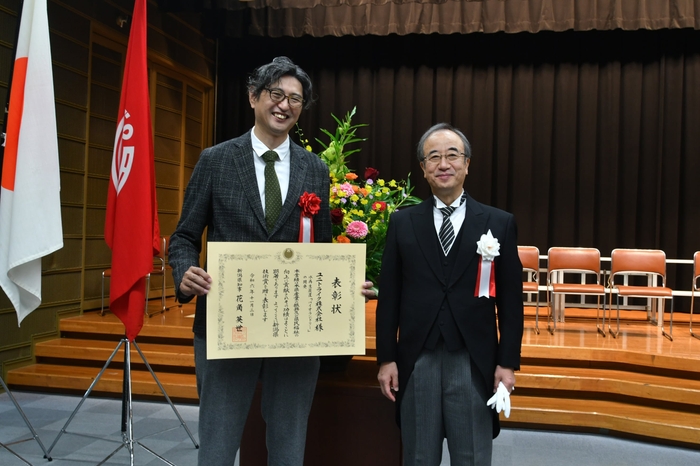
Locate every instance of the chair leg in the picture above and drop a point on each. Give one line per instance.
(615, 334)
(663, 332)
(537, 313)
(162, 295)
(692, 302)
(102, 309)
(600, 329)
(550, 314)
(148, 287)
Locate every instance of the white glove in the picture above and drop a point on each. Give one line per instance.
(500, 401)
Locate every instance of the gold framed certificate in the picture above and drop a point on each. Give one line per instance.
(285, 299)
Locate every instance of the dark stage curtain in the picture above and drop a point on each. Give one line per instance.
(295, 18)
(589, 138)
(318, 18)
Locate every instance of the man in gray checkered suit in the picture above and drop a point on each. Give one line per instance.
(226, 196)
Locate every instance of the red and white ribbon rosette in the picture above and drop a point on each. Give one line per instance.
(310, 205)
(488, 248)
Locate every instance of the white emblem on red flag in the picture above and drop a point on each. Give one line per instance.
(123, 156)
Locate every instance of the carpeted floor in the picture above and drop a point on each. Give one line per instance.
(102, 418)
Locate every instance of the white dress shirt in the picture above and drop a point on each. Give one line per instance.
(457, 217)
(282, 166)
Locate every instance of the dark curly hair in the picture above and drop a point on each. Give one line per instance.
(266, 75)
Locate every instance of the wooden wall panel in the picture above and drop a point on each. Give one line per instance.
(88, 49)
(166, 148)
(72, 154)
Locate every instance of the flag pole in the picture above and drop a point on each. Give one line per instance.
(131, 225)
(6, 108)
(6, 112)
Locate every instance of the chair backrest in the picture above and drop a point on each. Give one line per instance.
(574, 260)
(696, 273)
(162, 253)
(638, 262)
(584, 261)
(530, 258)
(159, 258)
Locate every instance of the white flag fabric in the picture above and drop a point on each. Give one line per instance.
(30, 205)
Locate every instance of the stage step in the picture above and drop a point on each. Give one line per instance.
(77, 379)
(606, 383)
(100, 350)
(605, 416)
(165, 325)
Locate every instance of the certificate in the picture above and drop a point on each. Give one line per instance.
(285, 299)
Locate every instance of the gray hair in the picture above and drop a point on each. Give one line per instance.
(266, 75)
(440, 127)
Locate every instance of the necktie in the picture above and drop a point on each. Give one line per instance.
(447, 230)
(273, 196)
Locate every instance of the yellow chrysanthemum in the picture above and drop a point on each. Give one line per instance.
(380, 182)
(392, 183)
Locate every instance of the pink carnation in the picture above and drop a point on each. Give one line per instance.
(357, 229)
(347, 189)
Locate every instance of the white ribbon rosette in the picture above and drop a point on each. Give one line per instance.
(488, 248)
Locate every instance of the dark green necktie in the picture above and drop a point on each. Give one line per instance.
(273, 196)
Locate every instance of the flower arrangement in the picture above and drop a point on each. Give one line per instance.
(360, 206)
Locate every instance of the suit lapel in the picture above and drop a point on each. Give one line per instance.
(473, 226)
(424, 230)
(245, 171)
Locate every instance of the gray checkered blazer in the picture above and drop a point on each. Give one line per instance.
(223, 197)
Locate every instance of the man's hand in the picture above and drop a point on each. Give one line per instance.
(503, 385)
(369, 291)
(195, 281)
(388, 379)
(505, 375)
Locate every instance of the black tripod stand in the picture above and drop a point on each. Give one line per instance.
(127, 429)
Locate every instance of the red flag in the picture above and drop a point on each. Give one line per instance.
(131, 227)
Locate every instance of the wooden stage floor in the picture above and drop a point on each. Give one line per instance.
(639, 384)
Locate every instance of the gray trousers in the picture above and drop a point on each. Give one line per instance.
(444, 398)
(226, 388)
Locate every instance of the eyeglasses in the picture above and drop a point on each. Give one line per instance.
(277, 96)
(451, 157)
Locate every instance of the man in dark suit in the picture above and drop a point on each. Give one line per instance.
(451, 288)
(227, 196)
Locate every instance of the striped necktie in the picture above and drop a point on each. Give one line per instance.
(447, 230)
